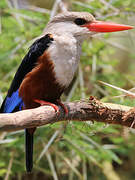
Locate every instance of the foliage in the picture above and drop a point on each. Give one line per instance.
(78, 150)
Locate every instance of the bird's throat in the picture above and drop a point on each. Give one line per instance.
(65, 54)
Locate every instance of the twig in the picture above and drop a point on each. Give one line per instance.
(73, 89)
(119, 89)
(62, 6)
(15, 3)
(1, 98)
(84, 168)
(108, 5)
(54, 9)
(48, 145)
(55, 177)
(86, 6)
(31, 19)
(83, 5)
(116, 45)
(0, 23)
(93, 110)
(82, 150)
(107, 15)
(71, 173)
(71, 165)
(9, 167)
(13, 51)
(2, 136)
(108, 167)
(37, 9)
(100, 89)
(81, 80)
(94, 65)
(57, 4)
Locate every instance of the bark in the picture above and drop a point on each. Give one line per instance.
(93, 110)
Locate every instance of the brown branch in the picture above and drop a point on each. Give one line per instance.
(93, 110)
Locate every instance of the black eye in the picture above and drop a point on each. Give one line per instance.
(80, 21)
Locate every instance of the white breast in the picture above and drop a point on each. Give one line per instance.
(65, 53)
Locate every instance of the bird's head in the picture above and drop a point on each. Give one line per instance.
(81, 25)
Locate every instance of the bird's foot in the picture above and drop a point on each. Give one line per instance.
(63, 106)
(42, 103)
(54, 106)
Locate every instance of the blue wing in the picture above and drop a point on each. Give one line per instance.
(13, 102)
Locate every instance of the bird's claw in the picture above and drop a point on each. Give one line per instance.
(63, 106)
(43, 103)
(54, 106)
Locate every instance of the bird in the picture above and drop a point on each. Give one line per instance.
(50, 65)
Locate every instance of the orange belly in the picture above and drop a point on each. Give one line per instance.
(40, 84)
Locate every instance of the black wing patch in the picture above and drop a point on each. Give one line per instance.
(12, 100)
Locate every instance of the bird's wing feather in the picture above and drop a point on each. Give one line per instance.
(12, 101)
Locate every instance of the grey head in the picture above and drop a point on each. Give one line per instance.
(71, 23)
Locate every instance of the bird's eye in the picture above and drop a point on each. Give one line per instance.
(80, 21)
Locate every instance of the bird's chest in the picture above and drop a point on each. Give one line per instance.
(65, 54)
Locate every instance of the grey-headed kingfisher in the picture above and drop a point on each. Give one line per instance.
(50, 64)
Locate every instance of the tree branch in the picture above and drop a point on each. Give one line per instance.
(93, 110)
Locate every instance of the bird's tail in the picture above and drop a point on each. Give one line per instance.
(29, 133)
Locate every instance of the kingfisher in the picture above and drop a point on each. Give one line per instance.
(49, 66)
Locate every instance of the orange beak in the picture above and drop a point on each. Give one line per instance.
(103, 27)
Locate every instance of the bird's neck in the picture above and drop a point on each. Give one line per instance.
(65, 53)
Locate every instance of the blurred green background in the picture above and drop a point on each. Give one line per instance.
(73, 150)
